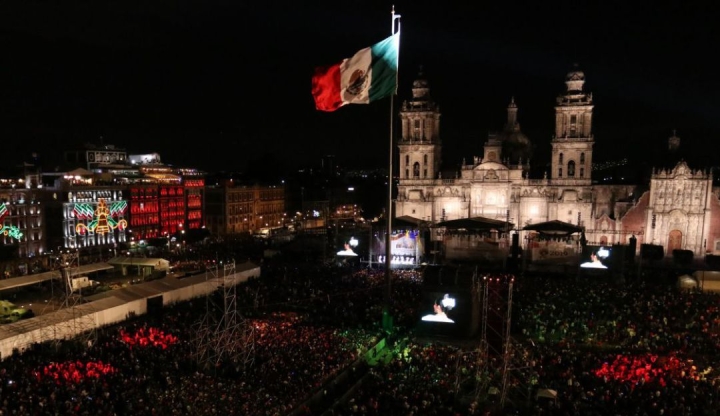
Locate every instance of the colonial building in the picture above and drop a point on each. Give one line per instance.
(233, 208)
(677, 212)
(84, 212)
(193, 182)
(22, 224)
(122, 199)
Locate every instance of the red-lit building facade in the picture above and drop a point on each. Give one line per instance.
(193, 182)
(157, 203)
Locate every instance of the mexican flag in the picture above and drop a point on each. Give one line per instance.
(371, 74)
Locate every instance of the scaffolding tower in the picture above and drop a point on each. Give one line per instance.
(502, 361)
(466, 380)
(75, 317)
(223, 336)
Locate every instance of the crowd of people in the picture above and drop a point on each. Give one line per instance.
(635, 348)
(579, 347)
(308, 323)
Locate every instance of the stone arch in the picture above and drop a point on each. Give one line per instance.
(571, 169)
(675, 241)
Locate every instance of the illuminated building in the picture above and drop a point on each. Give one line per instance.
(124, 198)
(160, 205)
(83, 211)
(93, 156)
(269, 206)
(22, 225)
(193, 182)
(230, 209)
(681, 210)
(234, 208)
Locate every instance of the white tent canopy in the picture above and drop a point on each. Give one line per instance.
(157, 264)
(547, 394)
(687, 282)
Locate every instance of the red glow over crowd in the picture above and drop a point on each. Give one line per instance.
(647, 368)
(146, 337)
(74, 371)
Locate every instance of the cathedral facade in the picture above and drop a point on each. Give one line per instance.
(680, 210)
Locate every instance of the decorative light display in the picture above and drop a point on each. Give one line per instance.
(102, 221)
(8, 230)
(74, 372)
(647, 368)
(148, 337)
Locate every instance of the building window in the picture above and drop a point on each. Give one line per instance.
(424, 173)
(582, 172)
(573, 124)
(407, 173)
(582, 158)
(407, 160)
(425, 160)
(416, 170)
(559, 172)
(416, 133)
(560, 158)
(571, 169)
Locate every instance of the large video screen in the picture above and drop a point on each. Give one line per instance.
(406, 248)
(348, 249)
(444, 313)
(596, 257)
(442, 309)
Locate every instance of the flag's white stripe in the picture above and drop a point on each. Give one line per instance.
(361, 61)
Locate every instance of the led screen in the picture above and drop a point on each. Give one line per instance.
(596, 257)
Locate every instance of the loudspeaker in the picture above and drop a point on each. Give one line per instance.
(651, 252)
(618, 258)
(682, 257)
(631, 249)
(515, 245)
(712, 262)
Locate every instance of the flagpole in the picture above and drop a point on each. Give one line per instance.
(387, 318)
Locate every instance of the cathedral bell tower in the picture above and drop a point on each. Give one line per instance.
(420, 146)
(572, 144)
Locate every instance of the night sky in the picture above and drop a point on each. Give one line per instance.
(234, 78)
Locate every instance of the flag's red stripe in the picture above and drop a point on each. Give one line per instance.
(326, 88)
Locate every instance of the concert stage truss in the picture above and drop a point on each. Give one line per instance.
(67, 298)
(502, 362)
(224, 336)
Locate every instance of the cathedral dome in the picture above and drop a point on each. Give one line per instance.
(517, 137)
(516, 146)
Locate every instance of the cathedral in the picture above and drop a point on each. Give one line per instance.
(678, 209)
